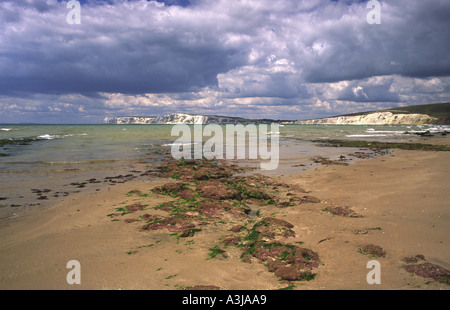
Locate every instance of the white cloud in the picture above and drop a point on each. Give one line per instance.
(359, 92)
(260, 56)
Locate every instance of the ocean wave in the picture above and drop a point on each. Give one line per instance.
(51, 137)
(5, 129)
(48, 137)
(397, 132)
(364, 136)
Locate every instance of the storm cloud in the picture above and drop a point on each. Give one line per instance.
(256, 58)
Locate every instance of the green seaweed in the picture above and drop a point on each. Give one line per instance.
(136, 192)
(171, 276)
(252, 236)
(287, 288)
(215, 251)
(19, 141)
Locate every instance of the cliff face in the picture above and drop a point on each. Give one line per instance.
(122, 120)
(376, 118)
(177, 118)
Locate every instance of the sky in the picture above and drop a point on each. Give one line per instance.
(277, 59)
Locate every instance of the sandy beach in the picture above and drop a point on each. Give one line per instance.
(397, 203)
(180, 147)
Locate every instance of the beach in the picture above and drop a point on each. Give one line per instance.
(396, 203)
(190, 145)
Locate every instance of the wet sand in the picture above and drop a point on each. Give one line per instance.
(402, 199)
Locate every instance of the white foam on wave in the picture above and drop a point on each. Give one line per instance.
(51, 137)
(5, 129)
(48, 137)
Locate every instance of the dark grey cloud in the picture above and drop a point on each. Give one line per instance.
(256, 56)
(124, 48)
(412, 40)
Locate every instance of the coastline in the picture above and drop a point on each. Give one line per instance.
(401, 198)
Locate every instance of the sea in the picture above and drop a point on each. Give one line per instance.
(57, 160)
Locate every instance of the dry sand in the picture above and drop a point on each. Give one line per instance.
(403, 199)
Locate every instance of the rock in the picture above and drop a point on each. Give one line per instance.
(231, 240)
(361, 231)
(360, 155)
(93, 180)
(365, 231)
(271, 227)
(426, 269)
(269, 251)
(202, 174)
(310, 199)
(294, 274)
(237, 228)
(274, 265)
(200, 170)
(135, 207)
(186, 194)
(39, 191)
(220, 195)
(288, 273)
(173, 224)
(172, 188)
(218, 172)
(431, 271)
(278, 222)
(289, 262)
(147, 216)
(374, 250)
(342, 211)
(284, 204)
(190, 232)
(215, 189)
(413, 259)
(210, 209)
(325, 161)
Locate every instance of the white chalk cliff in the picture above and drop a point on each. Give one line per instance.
(375, 118)
(177, 118)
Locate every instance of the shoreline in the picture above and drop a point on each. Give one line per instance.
(400, 196)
